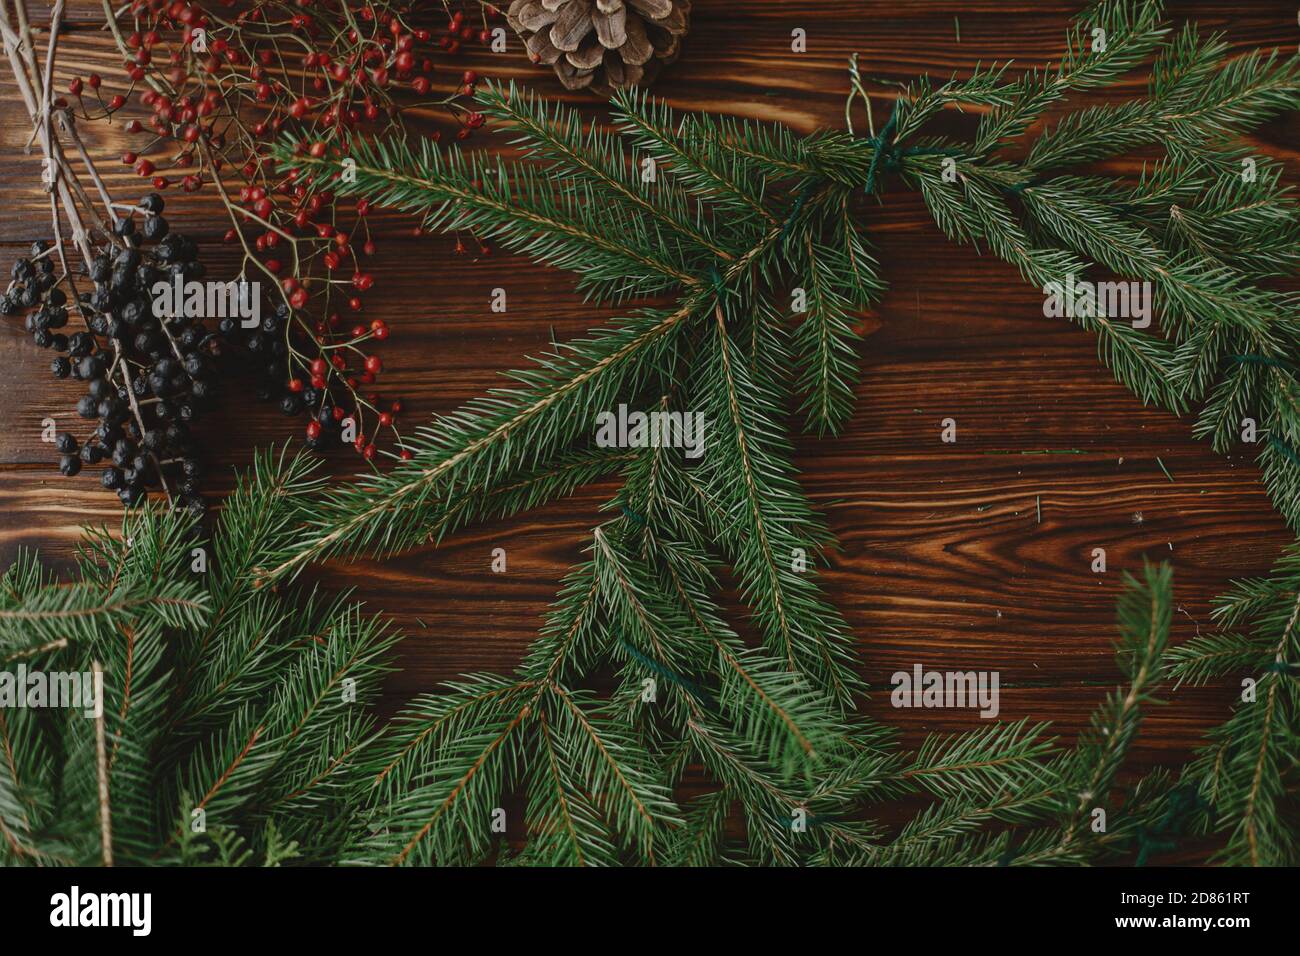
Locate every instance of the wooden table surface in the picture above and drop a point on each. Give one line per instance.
(944, 559)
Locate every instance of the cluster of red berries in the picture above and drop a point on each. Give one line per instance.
(219, 91)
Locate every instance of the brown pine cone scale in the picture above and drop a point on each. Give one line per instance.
(602, 45)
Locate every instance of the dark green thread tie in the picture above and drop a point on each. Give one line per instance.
(1286, 450)
(889, 156)
(1184, 804)
(794, 210)
(1262, 360)
(1150, 843)
(701, 696)
(885, 151)
(719, 283)
(1285, 668)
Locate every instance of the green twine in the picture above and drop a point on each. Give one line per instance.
(888, 155)
(1008, 855)
(1150, 843)
(1285, 449)
(1262, 360)
(1285, 668)
(719, 284)
(1184, 802)
(794, 211)
(695, 690)
(885, 150)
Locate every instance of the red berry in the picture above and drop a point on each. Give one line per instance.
(406, 454)
(313, 429)
(374, 365)
(295, 385)
(117, 102)
(385, 419)
(75, 86)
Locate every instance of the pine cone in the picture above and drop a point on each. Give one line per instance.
(602, 45)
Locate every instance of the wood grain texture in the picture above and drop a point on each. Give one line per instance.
(944, 559)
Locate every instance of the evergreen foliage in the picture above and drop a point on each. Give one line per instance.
(235, 726)
(230, 692)
(1248, 770)
(724, 220)
(232, 716)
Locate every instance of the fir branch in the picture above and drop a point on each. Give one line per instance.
(736, 214)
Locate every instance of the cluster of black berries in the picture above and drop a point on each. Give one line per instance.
(267, 346)
(148, 379)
